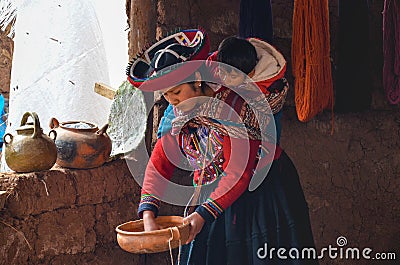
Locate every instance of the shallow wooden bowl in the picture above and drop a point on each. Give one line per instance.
(132, 238)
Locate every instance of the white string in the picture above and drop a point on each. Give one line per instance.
(185, 213)
(170, 248)
(179, 251)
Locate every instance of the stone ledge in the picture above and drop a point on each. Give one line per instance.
(39, 192)
(66, 212)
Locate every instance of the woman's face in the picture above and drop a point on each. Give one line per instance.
(184, 96)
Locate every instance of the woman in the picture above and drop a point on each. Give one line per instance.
(218, 131)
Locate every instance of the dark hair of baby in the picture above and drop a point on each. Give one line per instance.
(239, 53)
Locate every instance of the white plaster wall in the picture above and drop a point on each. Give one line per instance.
(113, 23)
(61, 48)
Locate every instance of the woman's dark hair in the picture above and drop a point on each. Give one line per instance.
(202, 87)
(190, 80)
(239, 53)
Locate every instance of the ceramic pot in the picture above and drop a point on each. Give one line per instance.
(81, 144)
(173, 233)
(30, 150)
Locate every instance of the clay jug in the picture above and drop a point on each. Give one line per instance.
(30, 150)
(81, 144)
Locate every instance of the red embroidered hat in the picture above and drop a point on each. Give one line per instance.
(169, 61)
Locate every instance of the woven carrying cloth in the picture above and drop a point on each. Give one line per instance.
(228, 113)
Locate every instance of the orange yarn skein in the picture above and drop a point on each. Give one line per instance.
(311, 58)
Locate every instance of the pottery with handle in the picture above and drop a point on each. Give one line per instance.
(30, 149)
(81, 144)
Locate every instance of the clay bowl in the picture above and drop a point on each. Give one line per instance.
(132, 238)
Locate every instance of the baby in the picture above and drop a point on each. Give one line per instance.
(259, 61)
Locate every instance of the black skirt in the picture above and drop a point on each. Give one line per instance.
(254, 228)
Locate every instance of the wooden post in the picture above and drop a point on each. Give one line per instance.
(104, 90)
(142, 20)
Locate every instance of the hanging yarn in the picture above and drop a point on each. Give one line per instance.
(256, 19)
(391, 50)
(310, 57)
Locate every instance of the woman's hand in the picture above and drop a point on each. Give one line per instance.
(196, 224)
(149, 221)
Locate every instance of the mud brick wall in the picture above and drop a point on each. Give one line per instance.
(151, 19)
(6, 52)
(351, 179)
(61, 215)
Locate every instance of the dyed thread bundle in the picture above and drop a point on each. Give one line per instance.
(256, 20)
(391, 50)
(311, 58)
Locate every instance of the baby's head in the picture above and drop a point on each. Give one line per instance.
(239, 53)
